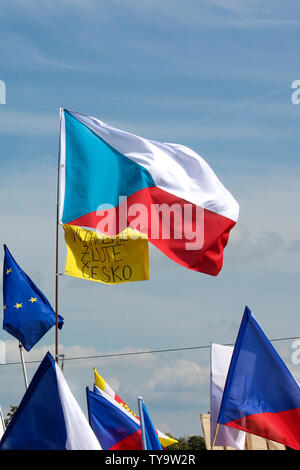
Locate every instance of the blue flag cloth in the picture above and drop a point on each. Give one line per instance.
(49, 417)
(115, 427)
(152, 440)
(260, 396)
(27, 313)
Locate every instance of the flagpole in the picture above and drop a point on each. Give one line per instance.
(210, 418)
(218, 425)
(23, 365)
(140, 403)
(215, 436)
(57, 246)
(56, 279)
(2, 419)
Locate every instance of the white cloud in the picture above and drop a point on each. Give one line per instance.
(75, 355)
(246, 246)
(181, 376)
(38, 352)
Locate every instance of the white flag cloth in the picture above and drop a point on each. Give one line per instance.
(49, 417)
(79, 433)
(220, 361)
(1, 424)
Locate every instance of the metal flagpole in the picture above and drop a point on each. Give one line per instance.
(23, 365)
(56, 245)
(140, 406)
(56, 273)
(211, 443)
(2, 419)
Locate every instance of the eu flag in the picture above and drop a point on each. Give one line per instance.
(27, 313)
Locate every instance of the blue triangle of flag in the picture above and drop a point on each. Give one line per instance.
(260, 396)
(38, 423)
(152, 440)
(114, 428)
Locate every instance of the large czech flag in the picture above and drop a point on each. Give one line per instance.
(111, 179)
(261, 396)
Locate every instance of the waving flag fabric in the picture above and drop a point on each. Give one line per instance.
(152, 441)
(102, 385)
(97, 257)
(49, 417)
(260, 396)
(111, 179)
(27, 313)
(115, 427)
(220, 362)
(2, 426)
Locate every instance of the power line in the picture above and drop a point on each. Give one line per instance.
(136, 353)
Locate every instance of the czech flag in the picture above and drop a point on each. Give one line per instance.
(102, 385)
(114, 426)
(49, 417)
(111, 179)
(261, 396)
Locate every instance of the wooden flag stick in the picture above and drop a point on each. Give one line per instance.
(23, 365)
(215, 436)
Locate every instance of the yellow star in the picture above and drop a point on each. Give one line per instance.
(8, 271)
(33, 299)
(17, 306)
(4, 307)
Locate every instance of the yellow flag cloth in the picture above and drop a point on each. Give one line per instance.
(111, 260)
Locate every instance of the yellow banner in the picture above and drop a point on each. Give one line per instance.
(97, 257)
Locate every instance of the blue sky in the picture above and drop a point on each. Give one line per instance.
(214, 75)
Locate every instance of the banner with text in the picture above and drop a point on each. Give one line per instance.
(111, 260)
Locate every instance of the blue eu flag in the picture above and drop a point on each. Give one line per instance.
(27, 313)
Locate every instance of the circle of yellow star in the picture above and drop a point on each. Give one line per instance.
(33, 299)
(8, 271)
(17, 306)
(4, 307)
